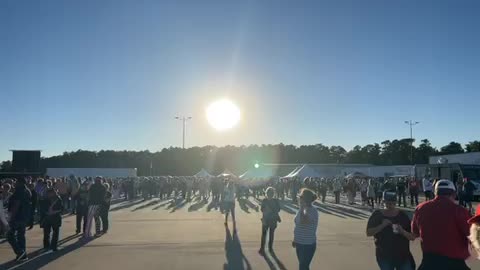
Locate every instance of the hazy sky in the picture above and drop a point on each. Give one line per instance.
(113, 74)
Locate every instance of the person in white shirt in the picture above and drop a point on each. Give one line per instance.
(305, 232)
(229, 201)
(337, 189)
(3, 217)
(427, 188)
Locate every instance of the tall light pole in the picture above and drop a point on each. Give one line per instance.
(184, 120)
(411, 124)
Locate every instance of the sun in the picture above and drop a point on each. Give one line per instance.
(223, 114)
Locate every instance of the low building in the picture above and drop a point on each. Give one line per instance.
(472, 158)
(92, 172)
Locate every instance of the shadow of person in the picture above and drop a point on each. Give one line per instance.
(40, 258)
(233, 252)
(243, 205)
(198, 205)
(280, 265)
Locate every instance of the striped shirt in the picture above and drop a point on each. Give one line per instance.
(306, 233)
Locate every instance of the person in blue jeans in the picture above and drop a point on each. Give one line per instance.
(305, 232)
(390, 228)
(19, 213)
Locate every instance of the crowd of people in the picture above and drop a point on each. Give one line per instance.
(445, 227)
(43, 201)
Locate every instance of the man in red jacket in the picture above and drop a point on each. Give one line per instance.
(443, 229)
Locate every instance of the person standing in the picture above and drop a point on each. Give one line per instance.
(427, 188)
(469, 189)
(322, 189)
(390, 228)
(81, 199)
(73, 188)
(96, 196)
(270, 208)
(229, 201)
(53, 221)
(442, 226)
(305, 232)
(413, 189)
(474, 237)
(371, 193)
(401, 192)
(105, 208)
(363, 191)
(62, 189)
(3, 216)
(34, 201)
(352, 190)
(337, 189)
(19, 212)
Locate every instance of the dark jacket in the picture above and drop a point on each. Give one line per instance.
(96, 194)
(55, 220)
(20, 204)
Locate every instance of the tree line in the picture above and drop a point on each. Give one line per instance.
(178, 161)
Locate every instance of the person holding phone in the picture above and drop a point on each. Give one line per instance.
(390, 228)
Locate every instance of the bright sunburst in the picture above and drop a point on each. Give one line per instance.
(223, 114)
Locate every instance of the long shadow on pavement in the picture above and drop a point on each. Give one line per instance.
(40, 258)
(274, 264)
(179, 203)
(152, 203)
(197, 206)
(168, 201)
(213, 204)
(127, 205)
(348, 212)
(243, 205)
(236, 260)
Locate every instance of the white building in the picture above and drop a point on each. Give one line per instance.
(92, 172)
(464, 158)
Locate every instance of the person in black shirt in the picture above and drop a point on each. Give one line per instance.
(469, 189)
(105, 208)
(81, 199)
(391, 229)
(270, 209)
(401, 192)
(52, 221)
(19, 212)
(33, 207)
(96, 197)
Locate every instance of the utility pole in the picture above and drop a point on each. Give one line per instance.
(411, 124)
(184, 120)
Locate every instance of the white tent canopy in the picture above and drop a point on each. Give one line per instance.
(302, 172)
(262, 172)
(226, 173)
(203, 173)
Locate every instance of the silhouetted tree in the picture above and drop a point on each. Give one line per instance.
(473, 146)
(238, 159)
(452, 148)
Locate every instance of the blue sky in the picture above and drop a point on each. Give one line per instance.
(113, 74)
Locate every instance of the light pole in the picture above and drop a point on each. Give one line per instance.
(184, 120)
(411, 124)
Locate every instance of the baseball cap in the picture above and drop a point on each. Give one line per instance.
(445, 184)
(476, 218)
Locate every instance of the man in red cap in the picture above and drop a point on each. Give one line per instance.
(442, 226)
(475, 231)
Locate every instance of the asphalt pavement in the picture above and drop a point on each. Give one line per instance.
(174, 234)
